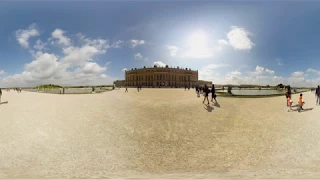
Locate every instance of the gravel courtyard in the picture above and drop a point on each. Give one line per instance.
(156, 133)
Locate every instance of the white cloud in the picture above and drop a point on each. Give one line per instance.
(107, 63)
(261, 70)
(294, 81)
(44, 67)
(223, 42)
(310, 70)
(173, 50)
(279, 61)
(39, 45)
(61, 39)
(23, 35)
(78, 56)
(93, 68)
(159, 64)
(2, 72)
(269, 71)
(117, 44)
(239, 39)
(138, 56)
(76, 66)
(298, 74)
(135, 42)
(236, 73)
(278, 78)
(103, 76)
(198, 47)
(209, 73)
(260, 78)
(35, 54)
(124, 69)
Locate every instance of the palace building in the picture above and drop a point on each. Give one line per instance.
(161, 76)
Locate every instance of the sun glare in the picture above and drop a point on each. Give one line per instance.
(198, 45)
(197, 40)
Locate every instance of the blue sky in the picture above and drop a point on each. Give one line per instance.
(91, 42)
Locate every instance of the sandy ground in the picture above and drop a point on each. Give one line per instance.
(156, 133)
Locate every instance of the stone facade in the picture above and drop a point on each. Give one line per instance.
(161, 76)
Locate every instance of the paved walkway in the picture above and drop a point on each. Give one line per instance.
(156, 133)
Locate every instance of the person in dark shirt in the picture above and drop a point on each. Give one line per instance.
(213, 93)
(206, 93)
(0, 94)
(318, 95)
(289, 92)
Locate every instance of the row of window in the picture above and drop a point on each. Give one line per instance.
(158, 84)
(163, 71)
(160, 77)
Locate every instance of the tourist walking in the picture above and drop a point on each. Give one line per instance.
(213, 94)
(206, 93)
(230, 90)
(126, 89)
(318, 95)
(0, 94)
(289, 91)
(287, 94)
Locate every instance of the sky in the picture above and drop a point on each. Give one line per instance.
(94, 42)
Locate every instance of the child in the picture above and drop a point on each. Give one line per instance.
(300, 103)
(289, 104)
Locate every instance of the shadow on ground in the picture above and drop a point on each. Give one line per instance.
(208, 108)
(217, 104)
(304, 110)
(6, 102)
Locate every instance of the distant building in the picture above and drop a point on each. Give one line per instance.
(161, 76)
